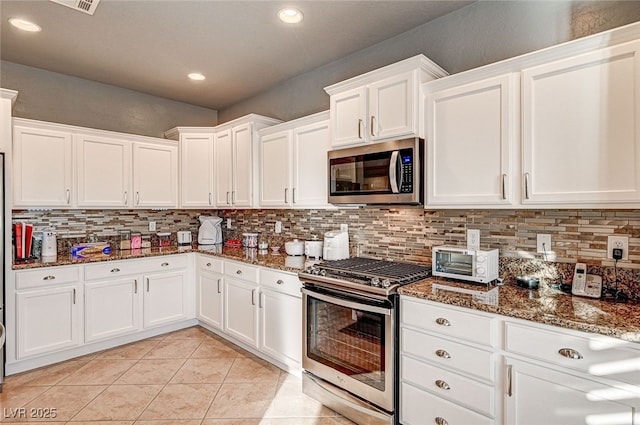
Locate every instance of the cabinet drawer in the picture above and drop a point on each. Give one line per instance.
(241, 271)
(111, 269)
(447, 321)
(449, 354)
(47, 276)
(419, 407)
(210, 263)
(449, 385)
(597, 355)
(281, 281)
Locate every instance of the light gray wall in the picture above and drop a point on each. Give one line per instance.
(49, 96)
(479, 34)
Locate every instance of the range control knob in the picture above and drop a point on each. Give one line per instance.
(375, 281)
(386, 283)
(323, 272)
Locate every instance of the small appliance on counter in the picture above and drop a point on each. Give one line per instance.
(294, 247)
(210, 231)
(336, 245)
(465, 264)
(184, 237)
(313, 248)
(49, 245)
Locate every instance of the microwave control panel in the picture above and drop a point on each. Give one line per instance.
(407, 171)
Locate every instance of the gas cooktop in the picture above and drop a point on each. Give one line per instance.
(366, 274)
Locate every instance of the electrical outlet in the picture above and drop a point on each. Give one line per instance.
(621, 242)
(228, 223)
(473, 239)
(278, 227)
(344, 228)
(543, 243)
(152, 226)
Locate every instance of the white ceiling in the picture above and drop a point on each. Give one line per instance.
(241, 46)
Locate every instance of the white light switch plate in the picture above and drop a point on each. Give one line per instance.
(473, 239)
(278, 227)
(543, 243)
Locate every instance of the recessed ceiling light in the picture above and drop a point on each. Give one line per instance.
(196, 76)
(25, 25)
(290, 16)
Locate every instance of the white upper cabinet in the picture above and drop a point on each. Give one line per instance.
(470, 139)
(581, 129)
(155, 175)
(380, 105)
(103, 171)
(42, 167)
(196, 171)
(235, 157)
(293, 163)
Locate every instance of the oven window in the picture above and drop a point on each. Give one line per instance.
(361, 174)
(454, 263)
(347, 340)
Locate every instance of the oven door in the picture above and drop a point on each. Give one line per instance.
(349, 341)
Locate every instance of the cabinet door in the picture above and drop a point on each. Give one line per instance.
(580, 128)
(48, 320)
(538, 395)
(470, 137)
(103, 171)
(348, 117)
(196, 165)
(275, 170)
(165, 298)
(281, 326)
(393, 107)
(241, 194)
(42, 168)
(240, 314)
(155, 175)
(223, 158)
(310, 146)
(209, 298)
(110, 308)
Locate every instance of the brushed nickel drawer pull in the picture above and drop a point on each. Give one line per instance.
(570, 353)
(441, 421)
(526, 185)
(442, 385)
(443, 354)
(279, 281)
(50, 277)
(443, 322)
(147, 284)
(115, 270)
(135, 286)
(164, 264)
(208, 264)
(219, 290)
(504, 186)
(238, 271)
(74, 295)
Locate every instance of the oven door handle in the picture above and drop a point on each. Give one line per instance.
(346, 303)
(393, 171)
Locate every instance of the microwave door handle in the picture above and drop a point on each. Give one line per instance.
(393, 171)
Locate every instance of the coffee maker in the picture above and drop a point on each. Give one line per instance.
(210, 231)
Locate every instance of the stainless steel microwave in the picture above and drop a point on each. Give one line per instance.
(381, 173)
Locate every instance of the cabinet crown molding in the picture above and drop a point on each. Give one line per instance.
(298, 122)
(8, 94)
(260, 121)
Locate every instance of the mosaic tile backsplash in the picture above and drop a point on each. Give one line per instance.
(397, 233)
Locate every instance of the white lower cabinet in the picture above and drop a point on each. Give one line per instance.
(165, 298)
(539, 395)
(241, 302)
(111, 308)
(281, 316)
(48, 320)
(209, 291)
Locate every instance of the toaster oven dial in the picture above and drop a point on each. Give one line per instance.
(480, 271)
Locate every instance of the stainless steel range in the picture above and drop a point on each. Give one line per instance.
(350, 330)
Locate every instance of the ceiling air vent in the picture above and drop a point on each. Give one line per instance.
(86, 6)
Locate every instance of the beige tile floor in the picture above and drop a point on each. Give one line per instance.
(188, 377)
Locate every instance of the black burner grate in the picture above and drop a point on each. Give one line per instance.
(369, 268)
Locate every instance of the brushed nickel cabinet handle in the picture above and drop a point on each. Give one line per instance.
(443, 354)
(164, 264)
(359, 129)
(526, 185)
(210, 198)
(253, 297)
(115, 270)
(286, 191)
(510, 380)
(570, 353)
(260, 297)
(373, 120)
(147, 284)
(208, 264)
(135, 286)
(125, 197)
(279, 281)
(293, 195)
(228, 198)
(50, 277)
(238, 271)
(443, 322)
(68, 196)
(74, 295)
(137, 198)
(442, 385)
(504, 186)
(219, 290)
(440, 421)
